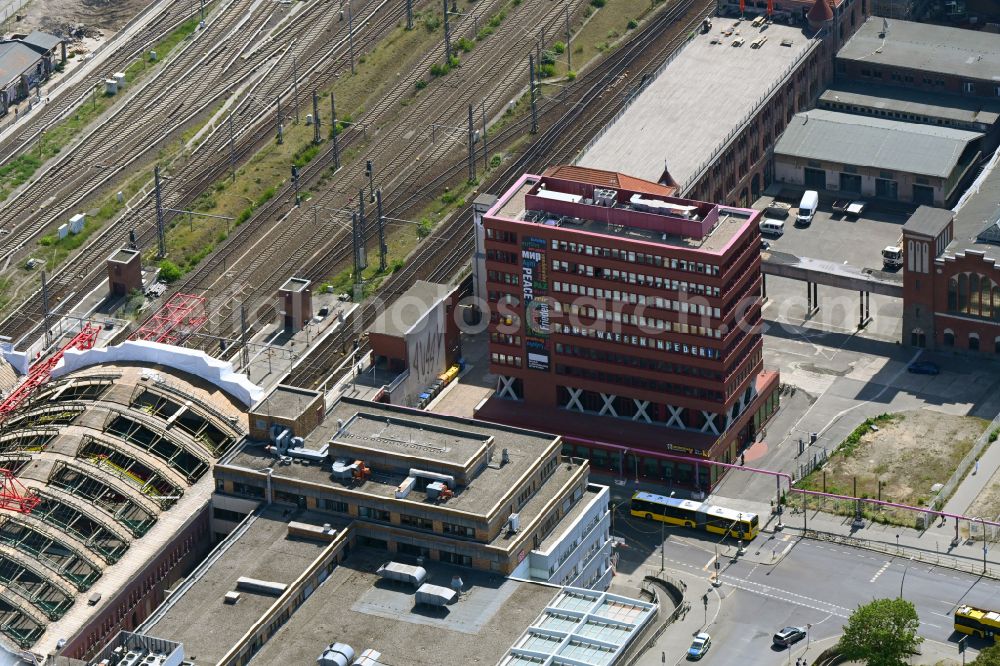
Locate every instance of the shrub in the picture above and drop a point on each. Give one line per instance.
(424, 228)
(597, 4)
(570, 75)
(169, 271)
(559, 48)
(432, 22)
(632, 24)
(421, 84)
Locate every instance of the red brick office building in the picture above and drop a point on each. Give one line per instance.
(951, 287)
(627, 320)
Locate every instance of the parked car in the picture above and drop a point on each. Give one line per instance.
(923, 368)
(849, 208)
(789, 636)
(700, 646)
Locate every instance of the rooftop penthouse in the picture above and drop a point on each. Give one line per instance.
(573, 198)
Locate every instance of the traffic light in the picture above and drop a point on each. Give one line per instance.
(704, 599)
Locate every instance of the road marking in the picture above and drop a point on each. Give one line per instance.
(782, 595)
(879, 572)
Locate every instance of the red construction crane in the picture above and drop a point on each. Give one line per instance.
(40, 372)
(14, 496)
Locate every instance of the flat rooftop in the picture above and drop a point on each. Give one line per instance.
(410, 308)
(878, 143)
(692, 108)
(200, 619)
(295, 284)
(287, 402)
(399, 436)
(479, 497)
(123, 255)
(911, 104)
(970, 54)
(641, 212)
(354, 606)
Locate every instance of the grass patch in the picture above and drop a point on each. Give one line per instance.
(894, 457)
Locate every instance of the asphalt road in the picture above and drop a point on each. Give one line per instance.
(812, 583)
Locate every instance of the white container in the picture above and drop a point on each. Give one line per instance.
(119, 78)
(76, 223)
(110, 86)
(63, 230)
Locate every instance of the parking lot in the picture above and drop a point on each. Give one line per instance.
(831, 237)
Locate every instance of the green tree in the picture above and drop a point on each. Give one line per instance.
(881, 633)
(988, 657)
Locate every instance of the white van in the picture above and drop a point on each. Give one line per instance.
(807, 208)
(772, 227)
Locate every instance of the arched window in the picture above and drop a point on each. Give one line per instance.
(918, 338)
(963, 293)
(973, 342)
(952, 294)
(973, 307)
(996, 345)
(948, 338)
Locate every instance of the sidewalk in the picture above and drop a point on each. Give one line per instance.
(975, 482)
(933, 546)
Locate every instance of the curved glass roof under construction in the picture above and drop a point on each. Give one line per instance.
(106, 451)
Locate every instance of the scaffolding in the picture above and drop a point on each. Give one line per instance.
(180, 316)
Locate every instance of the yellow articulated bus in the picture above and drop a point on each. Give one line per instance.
(978, 622)
(686, 513)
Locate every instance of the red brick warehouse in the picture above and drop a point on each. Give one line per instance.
(627, 320)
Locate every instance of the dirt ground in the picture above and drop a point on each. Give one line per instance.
(987, 504)
(909, 453)
(76, 19)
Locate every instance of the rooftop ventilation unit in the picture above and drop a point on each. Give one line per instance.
(336, 654)
(604, 197)
(514, 523)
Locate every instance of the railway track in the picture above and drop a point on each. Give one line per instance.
(392, 149)
(586, 106)
(134, 46)
(209, 159)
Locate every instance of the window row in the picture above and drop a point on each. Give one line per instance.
(502, 257)
(640, 341)
(634, 278)
(636, 299)
(502, 277)
(505, 339)
(650, 325)
(501, 235)
(506, 359)
(639, 258)
(627, 360)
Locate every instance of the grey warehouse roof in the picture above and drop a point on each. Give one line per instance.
(411, 306)
(924, 47)
(915, 102)
(874, 142)
(42, 40)
(15, 59)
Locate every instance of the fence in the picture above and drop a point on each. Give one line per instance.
(963, 467)
(967, 565)
(812, 464)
